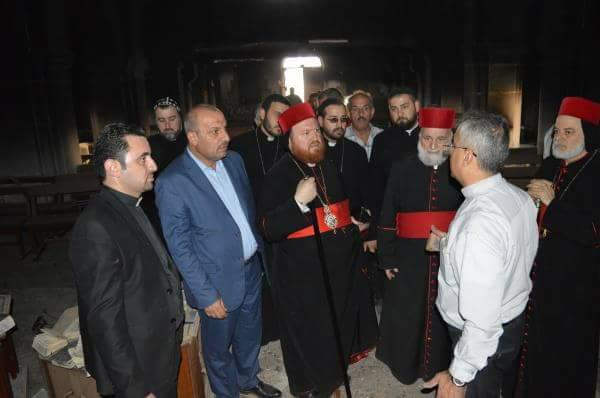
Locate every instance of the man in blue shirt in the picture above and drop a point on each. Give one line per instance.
(208, 219)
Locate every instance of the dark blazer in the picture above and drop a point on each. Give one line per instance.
(202, 236)
(130, 303)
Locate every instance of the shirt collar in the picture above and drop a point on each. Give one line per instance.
(203, 167)
(350, 132)
(482, 186)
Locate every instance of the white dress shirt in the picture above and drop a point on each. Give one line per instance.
(485, 263)
(352, 135)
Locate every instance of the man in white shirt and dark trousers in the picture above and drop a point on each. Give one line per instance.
(486, 258)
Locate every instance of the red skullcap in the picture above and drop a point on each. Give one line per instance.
(440, 118)
(295, 115)
(581, 108)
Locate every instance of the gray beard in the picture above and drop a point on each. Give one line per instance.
(431, 159)
(565, 155)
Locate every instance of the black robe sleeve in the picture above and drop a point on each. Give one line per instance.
(281, 220)
(377, 179)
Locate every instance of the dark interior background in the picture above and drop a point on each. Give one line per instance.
(72, 66)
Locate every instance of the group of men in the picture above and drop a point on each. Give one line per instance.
(306, 204)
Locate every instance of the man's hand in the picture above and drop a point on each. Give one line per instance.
(306, 191)
(541, 190)
(361, 225)
(446, 389)
(433, 243)
(216, 310)
(370, 245)
(391, 273)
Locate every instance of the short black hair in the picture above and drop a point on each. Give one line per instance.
(402, 90)
(326, 103)
(111, 144)
(266, 104)
(330, 92)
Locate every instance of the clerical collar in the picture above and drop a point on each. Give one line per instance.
(127, 200)
(410, 131)
(268, 136)
(331, 143)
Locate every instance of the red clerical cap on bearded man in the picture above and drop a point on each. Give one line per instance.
(438, 118)
(581, 108)
(295, 115)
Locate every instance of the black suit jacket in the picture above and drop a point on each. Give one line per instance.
(130, 303)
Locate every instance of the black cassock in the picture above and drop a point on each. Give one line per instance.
(391, 145)
(306, 329)
(564, 325)
(350, 159)
(414, 341)
(163, 153)
(259, 155)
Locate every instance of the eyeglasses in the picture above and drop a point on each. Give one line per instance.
(452, 147)
(335, 120)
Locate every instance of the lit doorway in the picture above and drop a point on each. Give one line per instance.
(293, 73)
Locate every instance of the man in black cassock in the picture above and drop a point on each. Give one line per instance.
(264, 145)
(561, 347)
(350, 160)
(348, 157)
(169, 143)
(299, 179)
(392, 144)
(414, 339)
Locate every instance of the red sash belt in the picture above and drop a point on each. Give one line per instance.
(417, 225)
(341, 210)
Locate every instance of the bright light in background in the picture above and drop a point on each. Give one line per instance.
(294, 77)
(293, 73)
(299, 62)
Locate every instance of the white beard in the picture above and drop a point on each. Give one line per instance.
(568, 154)
(431, 159)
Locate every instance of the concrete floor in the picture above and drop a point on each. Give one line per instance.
(46, 288)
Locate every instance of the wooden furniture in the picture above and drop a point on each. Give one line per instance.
(191, 383)
(9, 367)
(54, 207)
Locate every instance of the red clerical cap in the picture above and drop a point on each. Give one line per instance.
(440, 118)
(581, 108)
(295, 115)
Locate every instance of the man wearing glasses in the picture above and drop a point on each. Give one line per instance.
(362, 110)
(414, 340)
(347, 156)
(486, 258)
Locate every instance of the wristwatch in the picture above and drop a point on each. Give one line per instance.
(457, 382)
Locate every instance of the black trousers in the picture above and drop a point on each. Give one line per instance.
(169, 390)
(499, 376)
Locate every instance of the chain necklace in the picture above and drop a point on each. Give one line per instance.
(260, 156)
(577, 174)
(330, 219)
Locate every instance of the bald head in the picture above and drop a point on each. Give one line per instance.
(206, 130)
